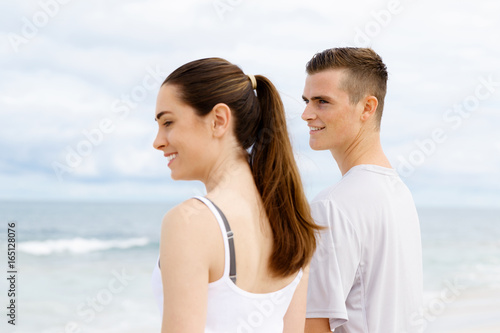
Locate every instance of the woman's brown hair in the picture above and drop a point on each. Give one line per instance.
(260, 128)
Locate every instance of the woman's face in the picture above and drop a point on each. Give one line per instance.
(182, 135)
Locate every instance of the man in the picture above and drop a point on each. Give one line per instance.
(366, 275)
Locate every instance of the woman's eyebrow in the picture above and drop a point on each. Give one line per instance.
(160, 114)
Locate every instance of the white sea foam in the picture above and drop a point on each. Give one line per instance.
(78, 245)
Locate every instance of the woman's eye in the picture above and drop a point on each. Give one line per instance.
(167, 123)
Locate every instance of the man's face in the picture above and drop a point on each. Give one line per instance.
(333, 121)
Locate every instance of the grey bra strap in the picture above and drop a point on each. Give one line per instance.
(230, 240)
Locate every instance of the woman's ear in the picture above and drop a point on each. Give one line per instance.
(221, 119)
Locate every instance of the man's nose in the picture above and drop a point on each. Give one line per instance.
(307, 114)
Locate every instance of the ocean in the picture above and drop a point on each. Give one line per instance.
(86, 267)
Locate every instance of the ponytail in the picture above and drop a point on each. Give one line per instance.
(278, 181)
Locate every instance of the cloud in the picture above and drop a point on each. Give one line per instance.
(69, 75)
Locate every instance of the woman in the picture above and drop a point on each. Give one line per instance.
(228, 130)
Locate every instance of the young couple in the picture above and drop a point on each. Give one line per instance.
(253, 255)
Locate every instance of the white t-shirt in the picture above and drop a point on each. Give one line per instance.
(366, 274)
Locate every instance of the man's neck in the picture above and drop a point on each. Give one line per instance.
(363, 150)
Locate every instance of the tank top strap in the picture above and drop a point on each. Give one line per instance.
(227, 235)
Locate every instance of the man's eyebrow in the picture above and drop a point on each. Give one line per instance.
(320, 97)
(315, 98)
(159, 115)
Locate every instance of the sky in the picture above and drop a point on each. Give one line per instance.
(79, 79)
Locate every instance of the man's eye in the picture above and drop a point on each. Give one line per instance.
(322, 101)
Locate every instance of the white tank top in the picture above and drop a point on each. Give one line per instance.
(231, 309)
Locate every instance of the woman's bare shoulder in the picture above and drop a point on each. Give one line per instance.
(191, 216)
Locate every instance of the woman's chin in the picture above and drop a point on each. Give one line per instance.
(177, 176)
(316, 145)
(174, 176)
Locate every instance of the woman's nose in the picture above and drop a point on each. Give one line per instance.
(159, 142)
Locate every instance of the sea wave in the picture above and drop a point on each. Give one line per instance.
(78, 245)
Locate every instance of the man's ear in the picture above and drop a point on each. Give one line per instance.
(221, 119)
(370, 105)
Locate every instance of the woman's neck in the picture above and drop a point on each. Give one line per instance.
(230, 172)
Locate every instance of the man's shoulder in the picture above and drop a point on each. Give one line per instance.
(336, 202)
(361, 182)
(364, 188)
(343, 190)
